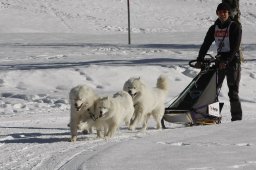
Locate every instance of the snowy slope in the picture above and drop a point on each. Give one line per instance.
(108, 16)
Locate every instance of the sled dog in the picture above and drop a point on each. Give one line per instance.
(147, 101)
(112, 111)
(81, 100)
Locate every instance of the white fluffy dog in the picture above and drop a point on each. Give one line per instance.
(81, 100)
(112, 111)
(147, 101)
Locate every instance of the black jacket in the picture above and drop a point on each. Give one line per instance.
(235, 34)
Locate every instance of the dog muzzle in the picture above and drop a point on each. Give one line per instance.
(132, 94)
(78, 108)
(93, 117)
(82, 105)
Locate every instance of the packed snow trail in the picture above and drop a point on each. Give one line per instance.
(205, 147)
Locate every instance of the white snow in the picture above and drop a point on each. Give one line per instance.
(47, 47)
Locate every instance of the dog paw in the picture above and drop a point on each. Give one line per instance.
(100, 134)
(73, 139)
(143, 130)
(158, 127)
(132, 128)
(107, 138)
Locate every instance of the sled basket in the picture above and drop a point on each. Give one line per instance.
(198, 103)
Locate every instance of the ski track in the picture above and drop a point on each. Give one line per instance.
(27, 150)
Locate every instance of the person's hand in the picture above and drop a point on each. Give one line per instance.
(222, 66)
(198, 64)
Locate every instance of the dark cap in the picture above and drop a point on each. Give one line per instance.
(223, 6)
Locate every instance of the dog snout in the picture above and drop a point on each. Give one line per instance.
(130, 92)
(78, 106)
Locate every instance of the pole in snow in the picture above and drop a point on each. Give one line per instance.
(129, 27)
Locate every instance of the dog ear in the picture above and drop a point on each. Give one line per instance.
(104, 98)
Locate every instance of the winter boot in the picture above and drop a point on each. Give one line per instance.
(236, 111)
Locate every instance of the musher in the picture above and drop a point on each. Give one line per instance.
(227, 36)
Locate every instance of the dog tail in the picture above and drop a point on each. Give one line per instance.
(163, 83)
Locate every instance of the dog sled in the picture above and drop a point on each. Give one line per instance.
(198, 103)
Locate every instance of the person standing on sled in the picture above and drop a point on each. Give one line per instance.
(227, 36)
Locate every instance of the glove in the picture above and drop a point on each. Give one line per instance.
(198, 64)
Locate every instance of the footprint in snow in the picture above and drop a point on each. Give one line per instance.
(252, 75)
(1, 82)
(88, 78)
(173, 144)
(21, 86)
(99, 87)
(179, 144)
(162, 143)
(61, 87)
(243, 144)
(177, 79)
(82, 73)
(243, 165)
(202, 168)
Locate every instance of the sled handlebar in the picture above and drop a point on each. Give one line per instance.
(206, 63)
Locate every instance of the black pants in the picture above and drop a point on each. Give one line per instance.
(233, 74)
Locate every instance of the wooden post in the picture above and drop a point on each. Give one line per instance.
(129, 27)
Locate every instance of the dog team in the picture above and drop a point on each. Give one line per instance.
(133, 106)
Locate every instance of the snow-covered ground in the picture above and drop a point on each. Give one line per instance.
(49, 46)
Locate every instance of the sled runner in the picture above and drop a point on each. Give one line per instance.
(198, 103)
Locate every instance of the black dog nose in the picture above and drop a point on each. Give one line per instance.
(130, 92)
(76, 105)
(101, 114)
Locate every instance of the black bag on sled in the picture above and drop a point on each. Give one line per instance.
(198, 103)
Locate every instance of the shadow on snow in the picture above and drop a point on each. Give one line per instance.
(34, 137)
(37, 66)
